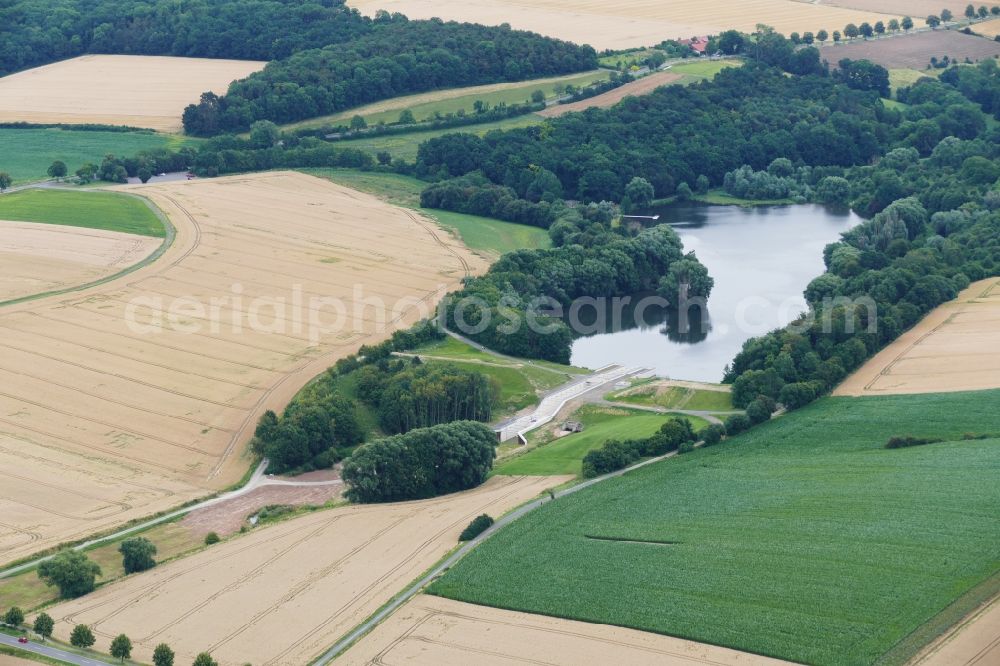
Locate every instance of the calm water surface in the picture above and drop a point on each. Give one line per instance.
(761, 260)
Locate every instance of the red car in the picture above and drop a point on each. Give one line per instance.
(22, 639)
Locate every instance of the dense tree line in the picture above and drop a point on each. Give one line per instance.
(618, 454)
(36, 32)
(423, 463)
(475, 195)
(394, 58)
(510, 308)
(408, 394)
(750, 115)
(320, 425)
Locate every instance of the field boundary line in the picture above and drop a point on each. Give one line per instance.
(170, 234)
(449, 561)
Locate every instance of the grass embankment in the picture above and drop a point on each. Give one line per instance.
(429, 105)
(901, 78)
(94, 210)
(481, 234)
(27, 153)
(521, 381)
(14, 653)
(564, 455)
(653, 394)
(27, 591)
(803, 539)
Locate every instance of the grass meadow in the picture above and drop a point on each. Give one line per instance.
(565, 455)
(425, 106)
(93, 210)
(676, 397)
(482, 234)
(27, 153)
(803, 539)
(404, 146)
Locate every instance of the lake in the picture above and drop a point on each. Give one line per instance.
(761, 259)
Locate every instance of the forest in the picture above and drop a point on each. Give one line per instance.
(325, 57)
(37, 32)
(423, 463)
(749, 115)
(320, 426)
(392, 59)
(519, 306)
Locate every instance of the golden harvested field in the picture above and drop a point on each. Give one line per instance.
(38, 258)
(128, 398)
(642, 86)
(441, 632)
(140, 91)
(285, 593)
(7, 660)
(629, 23)
(954, 348)
(989, 28)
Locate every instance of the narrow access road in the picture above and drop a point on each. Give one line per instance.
(341, 646)
(553, 402)
(257, 480)
(54, 652)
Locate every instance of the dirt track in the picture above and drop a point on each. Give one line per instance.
(974, 642)
(640, 87)
(103, 421)
(441, 632)
(284, 593)
(629, 23)
(954, 348)
(38, 258)
(140, 91)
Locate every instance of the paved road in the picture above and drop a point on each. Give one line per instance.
(340, 646)
(552, 403)
(257, 480)
(53, 652)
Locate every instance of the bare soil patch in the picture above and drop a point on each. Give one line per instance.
(284, 593)
(227, 517)
(111, 408)
(914, 51)
(37, 258)
(441, 632)
(642, 86)
(140, 91)
(630, 23)
(954, 348)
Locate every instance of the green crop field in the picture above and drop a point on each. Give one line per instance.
(442, 102)
(564, 455)
(803, 539)
(483, 234)
(27, 153)
(94, 210)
